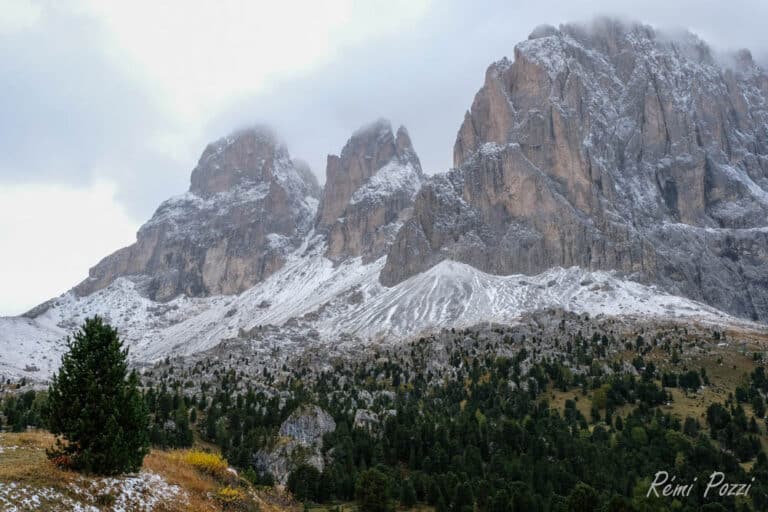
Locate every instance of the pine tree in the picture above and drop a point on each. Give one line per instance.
(95, 406)
(407, 494)
(183, 433)
(304, 482)
(372, 491)
(583, 498)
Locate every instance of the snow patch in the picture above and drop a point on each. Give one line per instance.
(143, 492)
(393, 177)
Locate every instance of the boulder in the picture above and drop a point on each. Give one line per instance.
(299, 441)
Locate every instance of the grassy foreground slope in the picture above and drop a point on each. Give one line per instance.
(170, 481)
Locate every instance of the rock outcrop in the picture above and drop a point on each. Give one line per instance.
(368, 193)
(248, 206)
(299, 441)
(608, 146)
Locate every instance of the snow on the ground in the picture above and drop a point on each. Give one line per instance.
(142, 492)
(29, 347)
(391, 178)
(332, 300)
(20, 498)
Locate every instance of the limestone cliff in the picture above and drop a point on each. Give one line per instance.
(608, 146)
(248, 206)
(369, 190)
(299, 441)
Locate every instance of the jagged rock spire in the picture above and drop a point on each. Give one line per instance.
(367, 188)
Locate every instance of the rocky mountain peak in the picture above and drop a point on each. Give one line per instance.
(744, 60)
(368, 187)
(622, 169)
(608, 145)
(404, 144)
(246, 157)
(248, 206)
(369, 149)
(378, 144)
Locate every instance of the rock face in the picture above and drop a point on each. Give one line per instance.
(608, 146)
(369, 190)
(366, 420)
(247, 207)
(300, 441)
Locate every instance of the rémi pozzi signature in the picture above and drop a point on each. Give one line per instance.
(665, 486)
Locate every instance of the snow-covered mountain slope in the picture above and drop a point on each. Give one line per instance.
(328, 303)
(600, 152)
(28, 347)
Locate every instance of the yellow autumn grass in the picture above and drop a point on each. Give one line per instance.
(203, 476)
(208, 462)
(230, 494)
(24, 462)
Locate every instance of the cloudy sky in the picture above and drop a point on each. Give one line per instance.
(105, 106)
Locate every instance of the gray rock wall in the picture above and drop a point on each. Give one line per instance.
(248, 206)
(608, 146)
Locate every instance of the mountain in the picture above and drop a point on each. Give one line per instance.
(609, 146)
(248, 206)
(610, 169)
(369, 191)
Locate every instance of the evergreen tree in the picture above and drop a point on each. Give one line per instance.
(304, 482)
(372, 491)
(583, 498)
(184, 436)
(95, 406)
(407, 494)
(500, 502)
(463, 498)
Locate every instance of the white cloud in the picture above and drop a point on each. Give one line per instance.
(201, 55)
(51, 235)
(18, 15)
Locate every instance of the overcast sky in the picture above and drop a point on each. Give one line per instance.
(105, 106)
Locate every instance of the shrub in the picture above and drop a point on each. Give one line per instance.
(232, 498)
(62, 461)
(211, 463)
(230, 495)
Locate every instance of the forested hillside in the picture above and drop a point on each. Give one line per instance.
(574, 415)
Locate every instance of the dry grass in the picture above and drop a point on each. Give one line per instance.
(199, 487)
(203, 476)
(24, 460)
(557, 399)
(24, 463)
